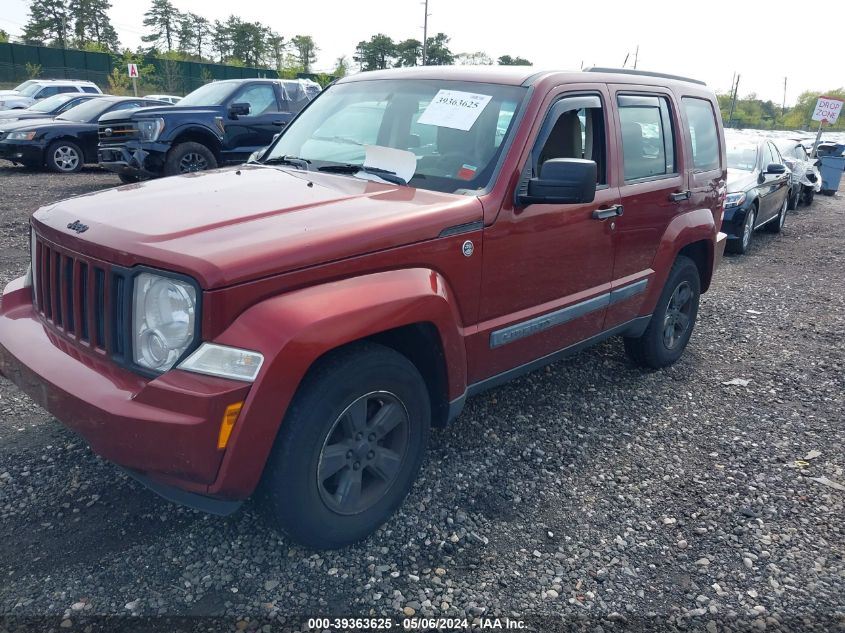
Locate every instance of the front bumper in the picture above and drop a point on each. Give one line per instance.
(165, 429)
(27, 152)
(133, 158)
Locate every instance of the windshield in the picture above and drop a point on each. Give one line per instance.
(30, 90)
(88, 111)
(742, 156)
(51, 103)
(21, 87)
(450, 133)
(211, 94)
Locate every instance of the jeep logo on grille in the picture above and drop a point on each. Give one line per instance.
(77, 226)
(108, 131)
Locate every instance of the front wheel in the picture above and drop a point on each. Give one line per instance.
(777, 225)
(64, 157)
(672, 321)
(794, 195)
(349, 448)
(189, 157)
(740, 246)
(809, 194)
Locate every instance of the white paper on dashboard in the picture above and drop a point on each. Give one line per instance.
(454, 109)
(401, 162)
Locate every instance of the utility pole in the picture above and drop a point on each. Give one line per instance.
(636, 56)
(425, 33)
(733, 100)
(783, 107)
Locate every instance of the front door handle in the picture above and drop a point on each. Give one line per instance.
(279, 122)
(680, 196)
(610, 212)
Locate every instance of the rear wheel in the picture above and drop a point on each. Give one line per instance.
(794, 196)
(349, 447)
(672, 321)
(809, 194)
(189, 157)
(64, 157)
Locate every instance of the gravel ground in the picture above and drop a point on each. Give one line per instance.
(592, 495)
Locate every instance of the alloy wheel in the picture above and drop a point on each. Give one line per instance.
(363, 452)
(748, 229)
(677, 320)
(783, 210)
(192, 161)
(66, 158)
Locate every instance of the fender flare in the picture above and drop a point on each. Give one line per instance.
(687, 228)
(197, 128)
(295, 329)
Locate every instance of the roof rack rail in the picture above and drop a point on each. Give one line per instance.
(645, 73)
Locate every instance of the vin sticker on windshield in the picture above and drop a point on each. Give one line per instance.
(454, 109)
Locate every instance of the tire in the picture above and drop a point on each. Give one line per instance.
(776, 225)
(128, 179)
(794, 196)
(677, 309)
(188, 157)
(369, 379)
(64, 157)
(809, 194)
(741, 246)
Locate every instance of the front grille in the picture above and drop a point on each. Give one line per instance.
(81, 298)
(119, 132)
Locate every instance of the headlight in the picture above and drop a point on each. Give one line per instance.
(150, 129)
(223, 361)
(734, 199)
(21, 136)
(163, 318)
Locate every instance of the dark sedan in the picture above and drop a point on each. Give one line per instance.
(65, 143)
(47, 108)
(758, 191)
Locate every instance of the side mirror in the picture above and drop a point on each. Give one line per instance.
(775, 168)
(238, 109)
(562, 181)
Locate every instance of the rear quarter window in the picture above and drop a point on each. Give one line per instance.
(703, 132)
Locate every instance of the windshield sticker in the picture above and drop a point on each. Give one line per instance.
(399, 161)
(454, 109)
(467, 172)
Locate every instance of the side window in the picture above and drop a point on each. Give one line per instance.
(125, 105)
(648, 144)
(68, 89)
(260, 97)
(47, 91)
(90, 89)
(574, 128)
(799, 152)
(705, 136)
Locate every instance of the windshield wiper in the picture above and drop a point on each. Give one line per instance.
(299, 163)
(349, 168)
(337, 139)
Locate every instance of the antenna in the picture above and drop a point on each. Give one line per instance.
(636, 56)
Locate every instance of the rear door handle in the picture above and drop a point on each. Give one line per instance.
(610, 212)
(680, 196)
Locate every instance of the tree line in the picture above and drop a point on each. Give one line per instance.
(188, 36)
(751, 112)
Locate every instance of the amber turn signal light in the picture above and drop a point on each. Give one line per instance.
(229, 417)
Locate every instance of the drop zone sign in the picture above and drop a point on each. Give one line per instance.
(827, 110)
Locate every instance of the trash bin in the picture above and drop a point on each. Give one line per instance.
(831, 169)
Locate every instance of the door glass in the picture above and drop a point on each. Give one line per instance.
(260, 97)
(647, 139)
(768, 159)
(577, 133)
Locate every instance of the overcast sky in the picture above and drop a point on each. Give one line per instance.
(763, 41)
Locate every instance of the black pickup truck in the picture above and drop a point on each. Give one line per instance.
(219, 123)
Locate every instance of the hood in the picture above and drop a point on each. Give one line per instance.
(26, 124)
(741, 180)
(233, 225)
(17, 115)
(44, 125)
(149, 111)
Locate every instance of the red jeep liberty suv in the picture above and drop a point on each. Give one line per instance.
(297, 324)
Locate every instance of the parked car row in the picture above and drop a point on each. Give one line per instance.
(220, 123)
(766, 178)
